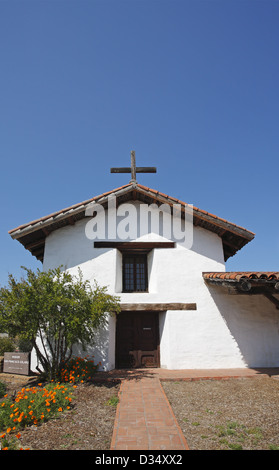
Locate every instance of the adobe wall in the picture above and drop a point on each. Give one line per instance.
(223, 332)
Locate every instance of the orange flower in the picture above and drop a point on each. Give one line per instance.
(9, 430)
(60, 409)
(18, 435)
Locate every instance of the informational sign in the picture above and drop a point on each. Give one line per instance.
(16, 363)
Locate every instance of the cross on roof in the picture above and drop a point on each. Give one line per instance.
(134, 169)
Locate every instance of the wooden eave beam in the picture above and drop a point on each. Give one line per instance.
(247, 286)
(157, 307)
(254, 283)
(35, 244)
(272, 299)
(134, 246)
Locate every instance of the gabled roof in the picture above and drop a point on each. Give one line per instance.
(33, 234)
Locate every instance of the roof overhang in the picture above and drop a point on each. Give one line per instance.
(249, 283)
(33, 234)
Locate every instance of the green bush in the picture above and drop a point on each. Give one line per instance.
(65, 309)
(24, 345)
(6, 345)
(2, 389)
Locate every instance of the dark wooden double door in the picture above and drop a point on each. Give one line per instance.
(137, 340)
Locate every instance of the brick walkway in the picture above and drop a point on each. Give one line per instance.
(144, 418)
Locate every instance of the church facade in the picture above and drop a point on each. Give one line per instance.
(180, 309)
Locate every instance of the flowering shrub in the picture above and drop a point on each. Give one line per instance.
(8, 442)
(31, 406)
(35, 405)
(78, 370)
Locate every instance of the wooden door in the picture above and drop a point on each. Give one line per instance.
(137, 339)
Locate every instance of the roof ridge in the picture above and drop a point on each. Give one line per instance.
(33, 234)
(107, 193)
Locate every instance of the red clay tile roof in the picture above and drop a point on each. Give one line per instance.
(236, 276)
(32, 235)
(72, 208)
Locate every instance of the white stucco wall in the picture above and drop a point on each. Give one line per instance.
(225, 331)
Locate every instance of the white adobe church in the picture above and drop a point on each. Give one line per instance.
(180, 309)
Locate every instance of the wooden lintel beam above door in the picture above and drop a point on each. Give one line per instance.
(157, 307)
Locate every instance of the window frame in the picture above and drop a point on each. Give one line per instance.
(134, 256)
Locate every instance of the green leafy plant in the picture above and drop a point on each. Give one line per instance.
(6, 345)
(2, 389)
(53, 310)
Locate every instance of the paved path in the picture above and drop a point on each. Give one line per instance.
(144, 418)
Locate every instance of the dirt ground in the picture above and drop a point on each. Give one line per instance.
(213, 415)
(237, 414)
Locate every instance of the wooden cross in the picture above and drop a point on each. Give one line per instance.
(134, 169)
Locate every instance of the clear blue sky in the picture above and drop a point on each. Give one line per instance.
(190, 85)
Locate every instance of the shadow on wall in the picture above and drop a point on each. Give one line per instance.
(253, 321)
(98, 350)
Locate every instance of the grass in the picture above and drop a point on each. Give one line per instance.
(234, 435)
(231, 435)
(113, 401)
